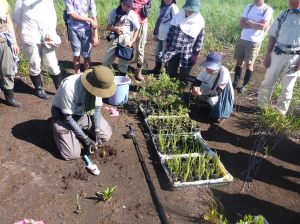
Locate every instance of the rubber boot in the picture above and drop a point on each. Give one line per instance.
(157, 68)
(138, 73)
(39, 90)
(247, 79)
(10, 98)
(237, 76)
(56, 80)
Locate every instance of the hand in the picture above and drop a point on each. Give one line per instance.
(118, 30)
(93, 23)
(16, 49)
(98, 138)
(196, 91)
(267, 60)
(48, 38)
(90, 145)
(129, 44)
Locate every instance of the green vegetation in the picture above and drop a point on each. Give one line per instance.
(77, 204)
(188, 169)
(106, 195)
(163, 96)
(214, 217)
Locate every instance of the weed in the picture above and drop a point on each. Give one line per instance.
(106, 195)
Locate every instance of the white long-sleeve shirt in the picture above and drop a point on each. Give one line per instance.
(36, 18)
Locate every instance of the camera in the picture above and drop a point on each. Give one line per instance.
(111, 36)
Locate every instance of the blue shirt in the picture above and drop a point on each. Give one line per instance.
(82, 8)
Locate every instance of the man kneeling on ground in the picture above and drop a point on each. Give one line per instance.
(76, 111)
(214, 87)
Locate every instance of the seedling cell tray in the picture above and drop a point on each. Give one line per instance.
(224, 179)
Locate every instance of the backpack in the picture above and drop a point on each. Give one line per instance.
(66, 16)
(264, 12)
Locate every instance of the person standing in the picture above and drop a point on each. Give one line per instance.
(168, 9)
(37, 21)
(80, 28)
(255, 19)
(9, 51)
(282, 57)
(184, 41)
(124, 26)
(142, 8)
(76, 112)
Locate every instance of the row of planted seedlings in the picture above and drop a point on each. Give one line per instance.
(184, 155)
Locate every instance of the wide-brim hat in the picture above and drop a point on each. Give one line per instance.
(99, 81)
(214, 61)
(192, 5)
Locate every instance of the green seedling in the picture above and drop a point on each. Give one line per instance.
(214, 217)
(77, 204)
(106, 195)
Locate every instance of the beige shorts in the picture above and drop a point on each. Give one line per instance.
(246, 50)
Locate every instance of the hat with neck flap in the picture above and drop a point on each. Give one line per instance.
(192, 5)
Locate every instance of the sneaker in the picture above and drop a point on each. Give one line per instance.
(243, 89)
(138, 76)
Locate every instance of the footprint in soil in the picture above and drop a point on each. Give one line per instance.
(80, 174)
(104, 154)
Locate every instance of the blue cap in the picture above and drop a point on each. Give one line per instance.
(214, 61)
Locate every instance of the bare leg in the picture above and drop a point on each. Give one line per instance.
(76, 62)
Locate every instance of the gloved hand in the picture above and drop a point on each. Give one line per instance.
(98, 138)
(90, 145)
(194, 57)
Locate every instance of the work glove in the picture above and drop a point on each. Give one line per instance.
(194, 57)
(98, 138)
(90, 145)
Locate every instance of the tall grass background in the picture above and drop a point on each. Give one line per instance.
(221, 17)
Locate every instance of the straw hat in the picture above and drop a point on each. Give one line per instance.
(99, 81)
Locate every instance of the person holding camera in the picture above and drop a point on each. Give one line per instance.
(123, 26)
(80, 28)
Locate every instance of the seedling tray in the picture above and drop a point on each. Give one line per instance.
(193, 129)
(149, 111)
(197, 138)
(176, 185)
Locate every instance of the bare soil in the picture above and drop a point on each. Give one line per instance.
(36, 183)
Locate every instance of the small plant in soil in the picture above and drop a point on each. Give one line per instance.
(193, 168)
(214, 217)
(106, 195)
(77, 204)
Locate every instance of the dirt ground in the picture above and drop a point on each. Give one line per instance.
(36, 183)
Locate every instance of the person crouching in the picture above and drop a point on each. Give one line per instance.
(214, 86)
(76, 112)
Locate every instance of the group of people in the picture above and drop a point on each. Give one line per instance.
(179, 35)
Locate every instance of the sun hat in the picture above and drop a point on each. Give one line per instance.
(99, 81)
(128, 2)
(214, 61)
(192, 5)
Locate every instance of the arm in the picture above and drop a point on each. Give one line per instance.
(72, 124)
(133, 39)
(12, 32)
(199, 42)
(261, 25)
(271, 44)
(17, 13)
